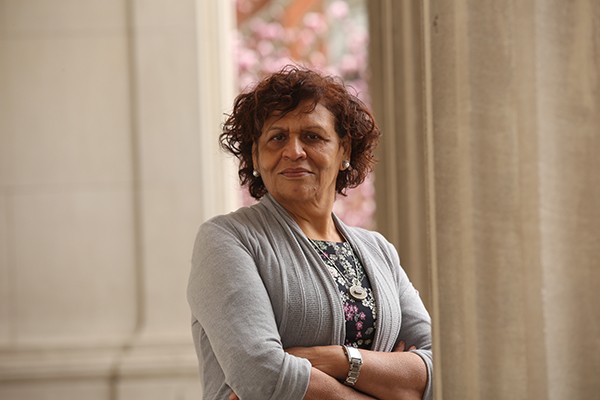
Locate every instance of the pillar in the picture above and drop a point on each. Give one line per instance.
(110, 112)
(509, 100)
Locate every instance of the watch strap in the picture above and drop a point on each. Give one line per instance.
(355, 361)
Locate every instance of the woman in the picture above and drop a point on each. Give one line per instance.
(288, 302)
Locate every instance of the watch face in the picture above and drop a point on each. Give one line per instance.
(354, 354)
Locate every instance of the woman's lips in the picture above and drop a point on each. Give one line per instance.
(295, 172)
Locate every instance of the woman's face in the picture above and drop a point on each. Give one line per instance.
(300, 155)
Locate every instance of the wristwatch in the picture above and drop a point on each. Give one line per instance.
(355, 360)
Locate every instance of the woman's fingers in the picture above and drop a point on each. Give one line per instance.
(401, 346)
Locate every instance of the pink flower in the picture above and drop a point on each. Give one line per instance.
(349, 64)
(359, 325)
(246, 58)
(273, 65)
(270, 31)
(318, 59)
(338, 9)
(265, 48)
(315, 22)
(349, 312)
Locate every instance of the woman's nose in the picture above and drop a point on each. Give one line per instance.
(294, 149)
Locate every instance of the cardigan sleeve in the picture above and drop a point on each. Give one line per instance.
(229, 301)
(416, 324)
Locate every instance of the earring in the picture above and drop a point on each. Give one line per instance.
(255, 173)
(345, 165)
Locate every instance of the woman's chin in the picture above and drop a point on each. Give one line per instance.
(300, 195)
(294, 194)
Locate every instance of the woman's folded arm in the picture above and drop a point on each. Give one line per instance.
(383, 375)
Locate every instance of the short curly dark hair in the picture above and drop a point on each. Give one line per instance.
(282, 92)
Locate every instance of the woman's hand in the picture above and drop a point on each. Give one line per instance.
(324, 387)
(399, 374)
(333, 361)
(328, 359)
(401, 346)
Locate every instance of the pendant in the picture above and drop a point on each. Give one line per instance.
(358, 292)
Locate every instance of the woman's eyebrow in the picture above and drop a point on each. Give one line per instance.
(313, 127)
(302, 128)
(276, 128)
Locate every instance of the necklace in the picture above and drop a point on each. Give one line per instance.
(355, 288)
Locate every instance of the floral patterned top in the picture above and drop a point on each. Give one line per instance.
(345, 268)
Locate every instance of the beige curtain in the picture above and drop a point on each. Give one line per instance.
(489, 184)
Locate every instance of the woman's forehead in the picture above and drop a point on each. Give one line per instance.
(317, 113)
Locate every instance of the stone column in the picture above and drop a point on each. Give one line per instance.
(109, 118)
(182, 79)
(396, 68)
(512, 120)
(568, 116)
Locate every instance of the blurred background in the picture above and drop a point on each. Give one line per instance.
(488, 180)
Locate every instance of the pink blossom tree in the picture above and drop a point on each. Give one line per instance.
(328, 35)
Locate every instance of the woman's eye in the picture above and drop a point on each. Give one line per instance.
(313, 136)
(278, 138)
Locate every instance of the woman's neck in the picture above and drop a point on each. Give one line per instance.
(316, 222)
(320, 230)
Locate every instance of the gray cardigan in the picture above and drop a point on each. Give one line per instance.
(257, 287)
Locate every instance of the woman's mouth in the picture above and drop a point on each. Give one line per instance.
(295, 172)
